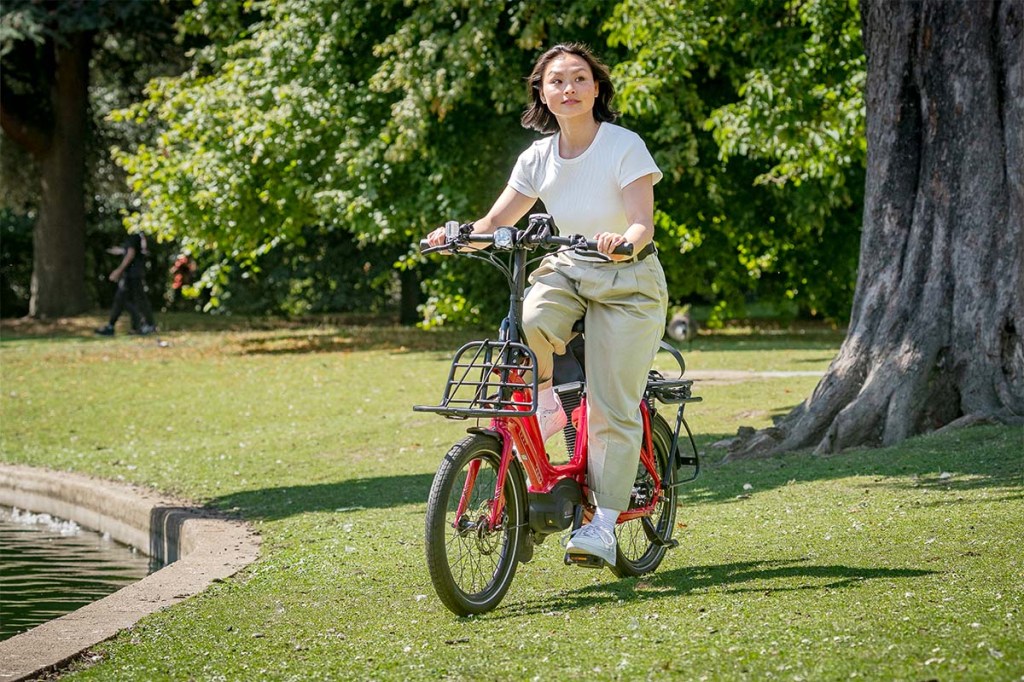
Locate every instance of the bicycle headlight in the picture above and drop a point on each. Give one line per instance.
(503, 238)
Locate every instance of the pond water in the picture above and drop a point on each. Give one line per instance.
(50, 567)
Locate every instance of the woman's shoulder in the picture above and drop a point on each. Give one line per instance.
(538, 149)
(622, 135)
(542, 145)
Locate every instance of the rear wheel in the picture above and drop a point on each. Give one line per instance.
(636, 553)
(471, 563)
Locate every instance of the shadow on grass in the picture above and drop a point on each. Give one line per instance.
(257, 335)
(353, 332)
(972, 459)
(735, 578)
(996, 465)
(272, 504)
(824, 340)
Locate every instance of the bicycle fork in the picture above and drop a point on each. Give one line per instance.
(497, 505)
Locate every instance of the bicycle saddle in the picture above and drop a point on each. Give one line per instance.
(568, 368)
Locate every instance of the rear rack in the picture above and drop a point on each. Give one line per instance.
(676, 392)
(671, 391)
(485, 380)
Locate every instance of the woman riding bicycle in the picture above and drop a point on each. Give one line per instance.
(595, 179)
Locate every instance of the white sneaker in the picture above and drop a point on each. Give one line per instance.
(593, 541)
(551, 421)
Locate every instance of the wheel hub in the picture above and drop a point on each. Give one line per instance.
(486, 539)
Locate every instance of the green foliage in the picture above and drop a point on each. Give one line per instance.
(15, 268)
(379, 119)
(36, 22)
(317, 272)
(131, 41)
(385, 119)
(755, 112)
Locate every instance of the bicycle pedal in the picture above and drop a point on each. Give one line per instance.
(583, 560)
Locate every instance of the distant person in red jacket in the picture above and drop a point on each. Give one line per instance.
(130, 276)
(183, 273)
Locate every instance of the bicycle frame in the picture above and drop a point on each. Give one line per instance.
(522, 435)
(514, 423)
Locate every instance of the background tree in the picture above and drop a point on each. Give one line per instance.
(754, 109)
(383, 122)
(49, 52)
(935, 336)
(379, 120)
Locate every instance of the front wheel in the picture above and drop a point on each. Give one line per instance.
(471, 563)
(636, 553)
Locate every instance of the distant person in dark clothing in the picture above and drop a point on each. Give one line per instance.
(130, 276)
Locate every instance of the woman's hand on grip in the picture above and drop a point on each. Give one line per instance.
(436, 237)
(607, 242)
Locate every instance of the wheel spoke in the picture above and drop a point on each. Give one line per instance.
(474, 559)
(472, 564)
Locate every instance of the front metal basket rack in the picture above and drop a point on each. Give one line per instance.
(484, 379)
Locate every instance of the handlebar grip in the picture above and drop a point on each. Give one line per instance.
(625, 249)
(424, 245)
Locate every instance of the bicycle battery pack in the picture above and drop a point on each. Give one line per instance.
(553, 511)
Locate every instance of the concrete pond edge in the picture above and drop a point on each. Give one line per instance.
(197, 546)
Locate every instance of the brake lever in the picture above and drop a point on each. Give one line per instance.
(587, 252)
(580, 247)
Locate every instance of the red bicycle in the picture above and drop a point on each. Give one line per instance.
(497, 494)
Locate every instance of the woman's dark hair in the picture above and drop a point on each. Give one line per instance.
(537, 115)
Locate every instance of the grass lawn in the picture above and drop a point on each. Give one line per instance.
(905, 563)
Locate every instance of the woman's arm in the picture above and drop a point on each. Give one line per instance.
(638, 196)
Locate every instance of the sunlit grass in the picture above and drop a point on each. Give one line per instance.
(904, 563)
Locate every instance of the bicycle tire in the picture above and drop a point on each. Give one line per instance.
(635, 553)
(471, 569)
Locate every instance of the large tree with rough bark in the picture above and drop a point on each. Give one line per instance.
(935, 336)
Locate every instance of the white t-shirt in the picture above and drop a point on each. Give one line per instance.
(584, 194)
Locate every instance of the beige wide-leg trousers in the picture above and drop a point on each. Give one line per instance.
(625, 306)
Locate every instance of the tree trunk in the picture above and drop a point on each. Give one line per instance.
(935, 334)
(409, 296)
(58, 273)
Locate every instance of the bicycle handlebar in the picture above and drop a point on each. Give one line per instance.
(575, 242)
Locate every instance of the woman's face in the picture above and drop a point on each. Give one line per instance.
(568, 88)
